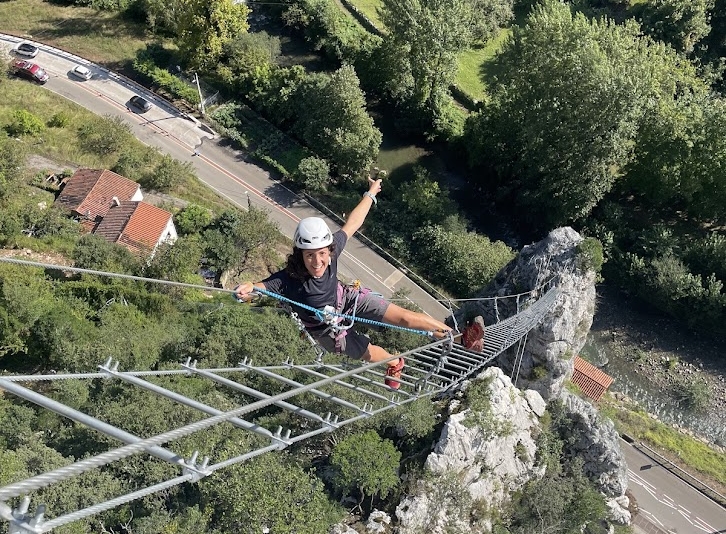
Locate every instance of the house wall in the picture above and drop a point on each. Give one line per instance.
(138, 195)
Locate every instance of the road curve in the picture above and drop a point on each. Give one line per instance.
(223, 169)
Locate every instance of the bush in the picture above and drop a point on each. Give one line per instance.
(25, 123)
(313, 173)
(164, 79)
(692, 395)
(192, 219)
(365, 463)
(59, 120)
(590, 255)
(105, 136)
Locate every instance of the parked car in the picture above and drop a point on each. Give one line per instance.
(140, 103)
(26, 49)
(30, 71)
(84, 73)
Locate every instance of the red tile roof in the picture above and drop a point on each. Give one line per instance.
(136, 225)
(591, 380)
(89, 192)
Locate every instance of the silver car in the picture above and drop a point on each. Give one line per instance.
(26, 49)
(84, 73)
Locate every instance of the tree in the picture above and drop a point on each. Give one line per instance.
(365, 463)
(333, 122)
(205, 26)
(562, 118)
(234, 238)
(192, 219)
(680, 151)
(94, 252)
(471, 260)
(250, 58)
(105, 136)
(270, 492)
(680, 23)
(421, 49)
(177, 261)
(168, 174)
(313, 173)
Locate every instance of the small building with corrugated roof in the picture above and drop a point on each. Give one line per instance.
(591, 380)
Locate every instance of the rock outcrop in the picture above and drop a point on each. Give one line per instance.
(473, 469)
(548, 355)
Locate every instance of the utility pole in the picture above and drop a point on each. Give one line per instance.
(201, 98)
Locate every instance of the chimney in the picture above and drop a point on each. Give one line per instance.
(115, 201)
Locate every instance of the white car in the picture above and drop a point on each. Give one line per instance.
(84, 73)
(26, 49)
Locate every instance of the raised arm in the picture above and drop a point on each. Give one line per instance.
(359, 213)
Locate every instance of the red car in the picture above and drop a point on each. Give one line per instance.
(31, 71)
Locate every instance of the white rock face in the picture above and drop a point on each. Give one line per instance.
(378, 522)
(340, 528)
(548, 357)
(618, 509)
(473, 469)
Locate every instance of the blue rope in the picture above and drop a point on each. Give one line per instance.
(320, 315)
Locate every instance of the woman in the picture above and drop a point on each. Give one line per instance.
(311, 278)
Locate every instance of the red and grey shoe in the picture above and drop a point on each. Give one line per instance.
(393, 374)
(473, 336)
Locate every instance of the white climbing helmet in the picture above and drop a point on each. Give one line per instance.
(312, 233)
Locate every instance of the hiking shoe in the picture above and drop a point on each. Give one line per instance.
(394, 372)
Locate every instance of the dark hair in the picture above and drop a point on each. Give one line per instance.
(296, 265)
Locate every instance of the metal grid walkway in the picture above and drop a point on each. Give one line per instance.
(348, 393)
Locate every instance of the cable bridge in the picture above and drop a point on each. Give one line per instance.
(346, 391)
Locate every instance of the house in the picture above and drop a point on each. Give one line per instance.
(136, 225)
(89, 194)
(591, 380)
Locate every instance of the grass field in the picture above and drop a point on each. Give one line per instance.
(102, 37)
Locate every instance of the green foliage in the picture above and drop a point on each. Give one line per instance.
(271, 492)
(666, 283)
(133, 162)
(425, 201)
(590, 255)
(248, 60)
(192, 219)
(421, 53)
(59, 120)
(235, 238)
(169, 174)
(365, 463)
(680, 149)
(328, 29)
(708, 255)
(178, 261)
(693, 395)
(12, 156)
(204, 27)
(24, 123)
(94, 252)
(313, 173)
(105, 135)
(680, 23)
(162, 78)
(471, 259)
(564, 113)
(333, 122)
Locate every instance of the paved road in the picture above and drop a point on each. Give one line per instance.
(666, 501)
(222, 169)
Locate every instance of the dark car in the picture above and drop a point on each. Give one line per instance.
(140, 103)
(30, 71)
(26, 49)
